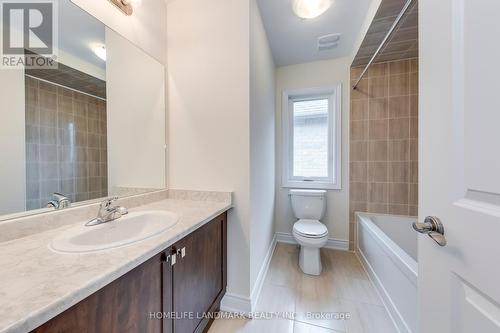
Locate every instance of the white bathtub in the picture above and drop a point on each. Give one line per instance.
(387, 247)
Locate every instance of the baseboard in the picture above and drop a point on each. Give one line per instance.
(259, 283)
(236, 303)
(394, 314)
(332, 243)
(244, 305)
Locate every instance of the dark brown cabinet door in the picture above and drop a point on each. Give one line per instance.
(199, 276)
(124, 305)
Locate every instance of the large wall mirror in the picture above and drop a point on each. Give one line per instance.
(91, 127)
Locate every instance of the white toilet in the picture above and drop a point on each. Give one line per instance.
(309, 207)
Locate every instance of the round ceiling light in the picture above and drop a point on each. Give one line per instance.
(308, 9)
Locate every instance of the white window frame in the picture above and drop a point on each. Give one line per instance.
(334, 179)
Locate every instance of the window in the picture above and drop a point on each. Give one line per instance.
(311, 138)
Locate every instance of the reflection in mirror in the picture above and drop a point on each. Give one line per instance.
(69, 130)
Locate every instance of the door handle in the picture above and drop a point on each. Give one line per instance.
(433, 227)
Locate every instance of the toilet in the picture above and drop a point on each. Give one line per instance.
(309, 207)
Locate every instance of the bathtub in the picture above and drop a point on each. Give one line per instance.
(387, 248)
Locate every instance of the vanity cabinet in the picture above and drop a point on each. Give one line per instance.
(176, 291)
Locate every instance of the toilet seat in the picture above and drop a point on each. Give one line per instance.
(310, 228)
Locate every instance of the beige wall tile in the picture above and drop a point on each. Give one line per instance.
(399, 128)
(413, 199)
(414, 106)
(413, 128)
(399, 85)
(399, 172)
(398, 209)
(378, 193)
(378, 150)
(359, 151)
(399, 107)
(414, 83)
(413, 149)
(358, 191)
(414, 171)
(378, 87)
(398, 193)
(359, 109)
(378, 70)
(358, 130)
(414, 65)
(399, 150)
(378, 108)
(378, 129)
(388, 103)
(399, 67)
(377, 208)
(362, 90)
(358, 171)
(377, 171)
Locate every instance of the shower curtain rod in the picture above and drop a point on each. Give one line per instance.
(386, 38)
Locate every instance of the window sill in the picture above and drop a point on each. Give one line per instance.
(312, 185)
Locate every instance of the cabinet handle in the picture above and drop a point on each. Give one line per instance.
(181, 252)
(172, 258)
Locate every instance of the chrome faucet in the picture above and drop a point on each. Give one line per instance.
(108, 212)
(59, 202)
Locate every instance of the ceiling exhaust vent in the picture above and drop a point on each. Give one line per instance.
(328, 42)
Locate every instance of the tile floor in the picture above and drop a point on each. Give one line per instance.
(343, 287)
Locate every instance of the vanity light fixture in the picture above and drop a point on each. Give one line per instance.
(100, 51)
(126, 6)
(308, 9)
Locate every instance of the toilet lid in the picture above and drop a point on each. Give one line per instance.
(310, 228)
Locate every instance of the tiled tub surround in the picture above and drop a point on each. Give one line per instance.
(37, 284)
(66, 146)
(384, 141)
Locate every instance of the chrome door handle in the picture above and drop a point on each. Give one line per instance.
(433, 227)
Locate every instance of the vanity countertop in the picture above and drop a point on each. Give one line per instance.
(36, 284)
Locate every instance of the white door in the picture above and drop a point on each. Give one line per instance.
(459, 284)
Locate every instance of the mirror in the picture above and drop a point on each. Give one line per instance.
(91, 125)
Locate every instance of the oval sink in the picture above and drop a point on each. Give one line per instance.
(128, 229)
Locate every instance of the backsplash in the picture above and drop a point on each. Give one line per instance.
(66, 146)
(384, 141)
(18, 226)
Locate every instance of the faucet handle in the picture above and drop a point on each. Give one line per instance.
(108, 201)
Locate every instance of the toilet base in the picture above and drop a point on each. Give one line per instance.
(310, 260)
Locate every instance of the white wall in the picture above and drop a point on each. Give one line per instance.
(136, 116)
(262, 143)
(12, 141)
(146, 27)
(208, 102)
(309, 75)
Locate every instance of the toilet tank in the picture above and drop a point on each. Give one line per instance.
(308, 204)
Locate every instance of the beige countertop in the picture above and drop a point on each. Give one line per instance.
(36, 284)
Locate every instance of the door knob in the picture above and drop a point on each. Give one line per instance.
(433, 227)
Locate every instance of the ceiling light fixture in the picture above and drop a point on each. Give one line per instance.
(100, 51)
(126, 6)
(133, 3)
(308, 9)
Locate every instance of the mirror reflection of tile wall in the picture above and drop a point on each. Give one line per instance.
(66, 144)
